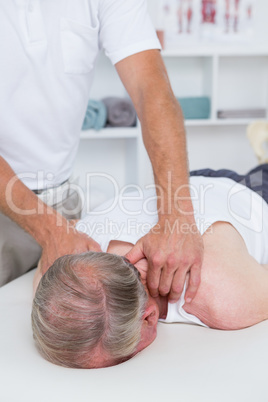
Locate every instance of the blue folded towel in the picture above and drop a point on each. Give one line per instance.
(96, 115)
(196, 107)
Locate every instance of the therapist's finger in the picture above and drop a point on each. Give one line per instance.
(166, 280)
(154, 273)
(194, 282)
(177, 284)
(136, 253)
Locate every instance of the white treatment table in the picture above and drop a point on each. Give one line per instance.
(185, 363)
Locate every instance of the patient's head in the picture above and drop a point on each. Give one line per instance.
(92, 310)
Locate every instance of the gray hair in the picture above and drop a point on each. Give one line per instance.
(75, 312)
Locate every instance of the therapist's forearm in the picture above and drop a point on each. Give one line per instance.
(145, 78)
(22, 206)
(164, 138)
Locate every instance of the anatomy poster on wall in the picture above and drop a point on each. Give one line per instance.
(235, 20)
(180, 20)
(208, 19)
(195, 21)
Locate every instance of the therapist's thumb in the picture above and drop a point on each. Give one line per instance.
(135, 254)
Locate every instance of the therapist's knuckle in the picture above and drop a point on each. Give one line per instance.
(177, 287)
(157, 260)
(174, 295)
(164, 290)
(184, 262)
(171, 262)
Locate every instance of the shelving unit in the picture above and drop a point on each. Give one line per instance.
(232, 77)
(205, 71)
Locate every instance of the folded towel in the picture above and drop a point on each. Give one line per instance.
(96, 115)
(196, 107)
(121, 112)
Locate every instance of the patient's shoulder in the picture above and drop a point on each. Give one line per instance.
(221, 294)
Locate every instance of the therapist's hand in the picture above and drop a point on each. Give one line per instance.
(171, 254)
(66, 240)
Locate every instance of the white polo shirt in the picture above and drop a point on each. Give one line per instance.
(47, 57)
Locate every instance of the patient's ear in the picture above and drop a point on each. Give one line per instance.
(149, 326)
(150, 315)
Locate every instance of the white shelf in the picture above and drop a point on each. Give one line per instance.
(220, 50)
(111, 133)
(219, 122)
(135, 132)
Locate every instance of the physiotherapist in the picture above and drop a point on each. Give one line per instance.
(47, 58)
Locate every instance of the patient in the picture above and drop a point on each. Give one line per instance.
(93, 310)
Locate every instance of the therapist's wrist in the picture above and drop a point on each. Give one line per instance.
(182, 212)
(49, 227)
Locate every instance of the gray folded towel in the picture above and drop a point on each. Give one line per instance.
(121, 112)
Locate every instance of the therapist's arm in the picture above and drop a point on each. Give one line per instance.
(170, 253)
(54, 233)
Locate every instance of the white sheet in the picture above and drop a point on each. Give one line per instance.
(185, 363)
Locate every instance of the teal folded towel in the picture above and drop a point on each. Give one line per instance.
(195, 108)
(96, 115)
